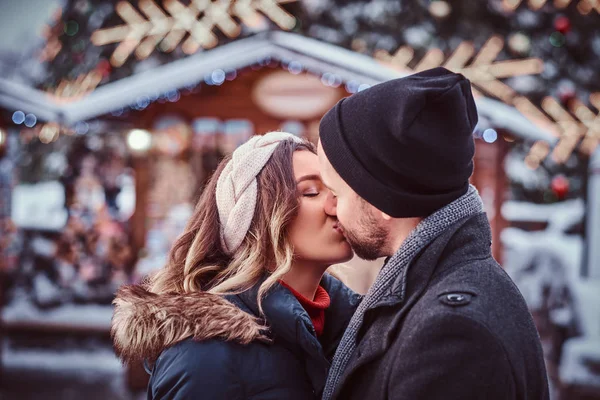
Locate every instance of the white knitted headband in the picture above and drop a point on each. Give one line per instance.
(237, 188)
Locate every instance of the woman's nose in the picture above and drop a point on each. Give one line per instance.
(330, 205)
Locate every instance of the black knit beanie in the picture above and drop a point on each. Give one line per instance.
(405, 145)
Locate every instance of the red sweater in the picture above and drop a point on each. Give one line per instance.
(315, 308)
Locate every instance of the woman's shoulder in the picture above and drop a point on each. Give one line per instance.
(190, 369)
(195, 357)
(225, 370)
(214, 354)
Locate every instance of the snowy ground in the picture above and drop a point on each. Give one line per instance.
(63, 374)
(43, 364)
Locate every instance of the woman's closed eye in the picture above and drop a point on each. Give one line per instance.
(313, 193)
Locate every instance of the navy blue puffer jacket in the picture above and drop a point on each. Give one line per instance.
(213, 362)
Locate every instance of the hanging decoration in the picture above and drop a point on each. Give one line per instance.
(591, 122)
(483, 72)
(562, 24)
(537, 153)
(580, 127)
(52, 33)
(560, 186)
(71, 90)
(143, 33)
(583, 6)
(571, 130)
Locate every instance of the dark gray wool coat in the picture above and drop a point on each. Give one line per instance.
(457, 328)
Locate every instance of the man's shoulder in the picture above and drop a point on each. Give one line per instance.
(480, 292)
(474, 286)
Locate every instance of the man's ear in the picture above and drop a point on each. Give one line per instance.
(385, 216)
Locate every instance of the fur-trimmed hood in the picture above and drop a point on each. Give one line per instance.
(145, 323)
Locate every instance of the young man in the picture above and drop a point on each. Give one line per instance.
(442, 320)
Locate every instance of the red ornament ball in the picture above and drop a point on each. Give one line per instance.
(104, 68)
(566, 96)
(566, 92)
(562, 24)
(560, 186)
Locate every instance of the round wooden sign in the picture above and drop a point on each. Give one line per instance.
(287, 96)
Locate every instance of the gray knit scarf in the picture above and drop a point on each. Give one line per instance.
(430, 228)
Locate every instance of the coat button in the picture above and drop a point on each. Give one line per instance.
(455, 299)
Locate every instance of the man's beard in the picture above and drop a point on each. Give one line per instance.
(368, 244)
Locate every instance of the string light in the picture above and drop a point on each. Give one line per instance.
(295, 67)
(218, 76)
(18, 117)
(2, 137)
(557, 39)
(139, 141)
(490, 135)
(71, 28)
(30, 120)
(519, 43)
(82, 127)
(352, 86)
(142, 33)
(439, 9)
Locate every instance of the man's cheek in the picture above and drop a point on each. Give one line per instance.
(342, 212)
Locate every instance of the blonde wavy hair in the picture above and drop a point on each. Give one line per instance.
(197, 261)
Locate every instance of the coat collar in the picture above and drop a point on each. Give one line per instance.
(343, 305)
(288, 320)
(290, 325)
(473, 241)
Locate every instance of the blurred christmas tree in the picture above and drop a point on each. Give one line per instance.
(70, 35)
(567, 40)
(550, 182)
(563, 34)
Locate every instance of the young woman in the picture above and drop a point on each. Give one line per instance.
(244, 309)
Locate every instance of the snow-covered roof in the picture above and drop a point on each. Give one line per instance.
(315, 57)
